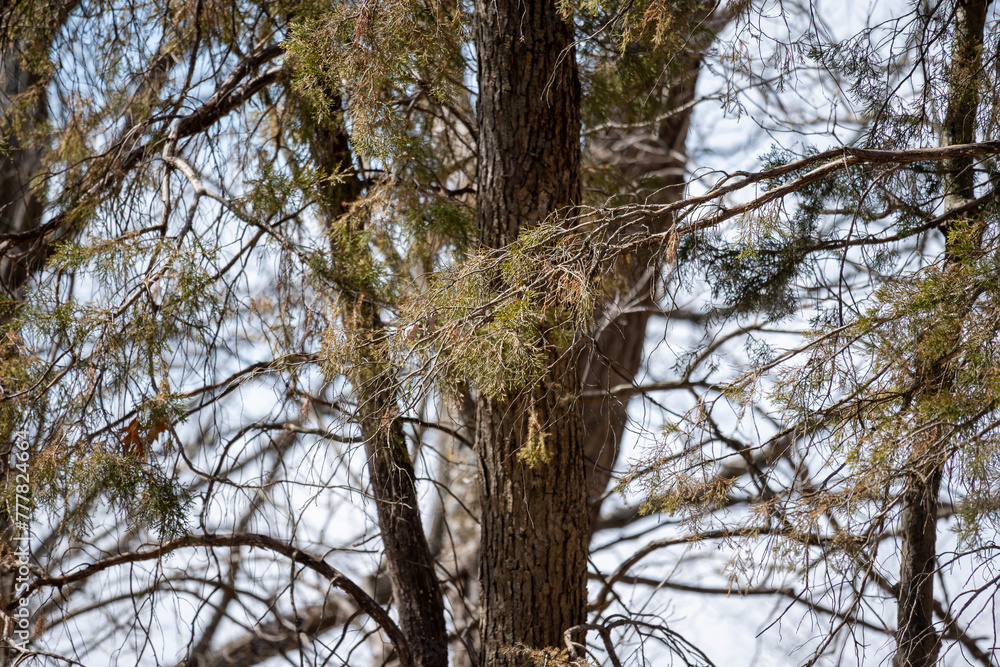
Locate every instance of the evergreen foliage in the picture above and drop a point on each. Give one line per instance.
(246, 304)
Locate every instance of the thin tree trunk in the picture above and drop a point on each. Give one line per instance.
(917, 641)
(20, 163)
(23, 111)
(408, 559)
(534, 519)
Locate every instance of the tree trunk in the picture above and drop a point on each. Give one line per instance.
(654, 171)
(528, 115)
(20, 162)
(408, 560)
(533, 554)
(917, 642)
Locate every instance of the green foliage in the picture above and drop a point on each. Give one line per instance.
(352, 266)
(490, 338)
(496, 318)
(387, 52)
(148, 296)
(273, 193)
(758, 278)
(910, 377)
(18, 368)
(66, 479)
(535, 452)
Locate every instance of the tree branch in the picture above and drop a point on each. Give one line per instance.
(314, 563)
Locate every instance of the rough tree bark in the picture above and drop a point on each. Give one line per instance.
(534, 519)
(917, 641)
(408, 559)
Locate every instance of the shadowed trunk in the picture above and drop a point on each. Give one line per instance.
(408, 559)
(22, 110)
(654, 169)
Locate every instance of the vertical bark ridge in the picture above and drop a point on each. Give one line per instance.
(534, 528)
(534, 518)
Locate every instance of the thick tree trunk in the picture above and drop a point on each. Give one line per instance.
(528, 115)
(917, 641)
(534, 520)
(533, 555)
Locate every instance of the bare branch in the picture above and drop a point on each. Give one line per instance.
(318, 565)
